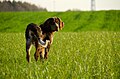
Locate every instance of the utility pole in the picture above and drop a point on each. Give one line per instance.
(93, 5)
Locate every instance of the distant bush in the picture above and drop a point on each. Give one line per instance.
(19, 6)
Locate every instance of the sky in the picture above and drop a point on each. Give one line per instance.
(64, 5)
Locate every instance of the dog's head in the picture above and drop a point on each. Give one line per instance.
(54, 24)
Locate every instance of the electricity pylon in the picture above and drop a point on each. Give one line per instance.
(93, 5)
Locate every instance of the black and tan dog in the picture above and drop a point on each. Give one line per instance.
(42, 37)
(34, 36)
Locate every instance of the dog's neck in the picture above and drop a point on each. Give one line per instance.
(46, 29)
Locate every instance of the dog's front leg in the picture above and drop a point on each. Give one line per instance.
(46, 51)
(38, 50)
(37, 53)
(42, 53)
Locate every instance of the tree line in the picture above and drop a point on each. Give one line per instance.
(19, 6)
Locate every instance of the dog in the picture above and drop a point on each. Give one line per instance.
(42, 37)
(49, 27)
(34, 36)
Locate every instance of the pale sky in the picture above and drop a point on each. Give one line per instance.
(63, 5)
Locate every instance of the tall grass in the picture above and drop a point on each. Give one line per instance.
(83, 55)
(74, 21)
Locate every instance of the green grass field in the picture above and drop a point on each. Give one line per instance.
(83, 55)
(74, 21)
(88, 47)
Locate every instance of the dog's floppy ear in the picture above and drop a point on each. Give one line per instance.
(60, 22)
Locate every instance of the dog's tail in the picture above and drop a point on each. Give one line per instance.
(44, 44)
(34, 30)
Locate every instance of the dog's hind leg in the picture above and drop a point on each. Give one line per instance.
(28, 48)
(38, 50)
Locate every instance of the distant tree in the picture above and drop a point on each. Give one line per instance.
(19, 6)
